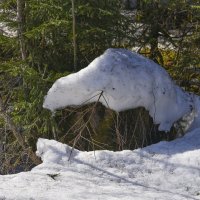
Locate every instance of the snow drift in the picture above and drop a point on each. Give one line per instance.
(167, 170)
(127, 80)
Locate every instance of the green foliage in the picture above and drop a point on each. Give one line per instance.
(47, 37)
(169, 35)
(100, 21)
(49, 31)
(163, 16)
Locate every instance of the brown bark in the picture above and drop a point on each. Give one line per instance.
(74, 36)
(21, 21)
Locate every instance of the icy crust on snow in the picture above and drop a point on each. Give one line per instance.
(128, 80)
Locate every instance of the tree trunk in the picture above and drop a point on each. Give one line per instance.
(154, 51)
(21, 21)
(74, 36)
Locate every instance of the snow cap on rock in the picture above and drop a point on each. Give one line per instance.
(127, 80)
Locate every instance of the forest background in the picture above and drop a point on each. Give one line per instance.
(43, 40)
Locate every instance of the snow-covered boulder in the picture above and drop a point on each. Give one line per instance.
(121, 80)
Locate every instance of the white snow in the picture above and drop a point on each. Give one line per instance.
(127, 80)
(6, 31)
(167, 170)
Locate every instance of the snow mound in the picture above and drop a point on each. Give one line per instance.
(167, 170)
(127, 80)
(58, 154)
(170, 166)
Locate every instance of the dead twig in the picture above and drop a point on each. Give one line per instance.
(85, 125)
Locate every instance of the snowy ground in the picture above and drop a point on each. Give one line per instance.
(167, 170)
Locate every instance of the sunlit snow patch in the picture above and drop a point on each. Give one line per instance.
(127, 80)
(167, 170)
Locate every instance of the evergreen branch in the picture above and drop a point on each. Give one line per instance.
(17, 134)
